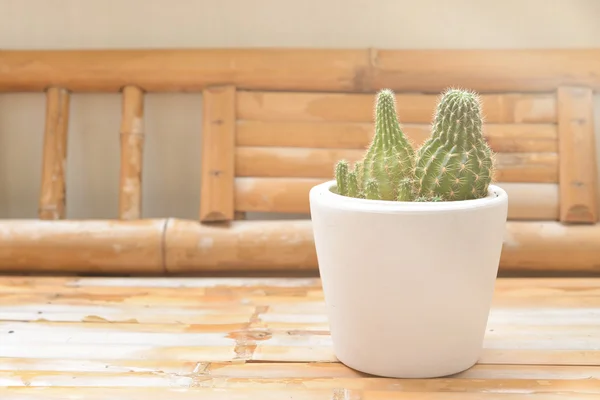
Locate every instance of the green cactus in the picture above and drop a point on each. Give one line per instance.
(372, 189)
(455, 163)
(388, 160)
(353, 190)
(390, 156)
(341, 176)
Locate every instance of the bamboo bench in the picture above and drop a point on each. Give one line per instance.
(275, 121)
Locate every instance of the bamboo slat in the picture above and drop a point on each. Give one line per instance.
(295, 162)
(218, 143)
(354, 70)
(528, 201)
(53, 187)
(132, 150)
(503, 138)
(506, 108)
(223, 338)
(578, 176)
(187, 246)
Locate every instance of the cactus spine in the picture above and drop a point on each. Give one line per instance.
(455, 163)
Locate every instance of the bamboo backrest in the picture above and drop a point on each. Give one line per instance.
(274, 123)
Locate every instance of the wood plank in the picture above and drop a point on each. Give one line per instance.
(507, 108)
(187, 391)
(54, 159)
(277, 377)
(528, 201)
(502, 138)
(132, 150)
(183, 70)
(578, 175)
(217, 158)
(295, 162)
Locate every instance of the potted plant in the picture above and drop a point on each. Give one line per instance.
(408, 242)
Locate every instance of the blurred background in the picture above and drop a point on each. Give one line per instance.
(171, 177)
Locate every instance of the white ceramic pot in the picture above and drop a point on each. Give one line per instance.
(408, 285)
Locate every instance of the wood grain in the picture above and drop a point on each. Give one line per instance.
(578, 175)
(223, 338)
(507, 108)
(217, 158)
(54, 158)
(132, 150)
(352, 70)
(503, 138)
(295, 162)
(528, 201)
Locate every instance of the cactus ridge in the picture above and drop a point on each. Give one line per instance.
(454, 163)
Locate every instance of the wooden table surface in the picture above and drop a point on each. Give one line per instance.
(225, 338)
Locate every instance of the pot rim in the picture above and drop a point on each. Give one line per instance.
(322, 194)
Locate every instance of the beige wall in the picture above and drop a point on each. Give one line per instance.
(173, 121)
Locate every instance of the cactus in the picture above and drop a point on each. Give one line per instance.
(341, 176)
(390, 156)
(372, 190)
(388, 159)
(455, 163)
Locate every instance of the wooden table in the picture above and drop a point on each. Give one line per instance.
(223, 338)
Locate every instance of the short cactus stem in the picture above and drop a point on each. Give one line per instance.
(341, 177)
(352, 183)
(372, 190)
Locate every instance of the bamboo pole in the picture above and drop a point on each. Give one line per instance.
(578, 176)
(53, 187)
(85, 246)
(355, 70)
(217, 158)
(187, 246)
(132, 148)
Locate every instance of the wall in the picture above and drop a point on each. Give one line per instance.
(173, 121)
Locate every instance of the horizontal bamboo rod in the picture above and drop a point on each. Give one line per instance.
(528, 201)
(506, 138)
(411, 108)
(91, 246)
(187, 246)
(354, 70)
(295, 162)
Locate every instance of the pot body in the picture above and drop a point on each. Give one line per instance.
(408, 286)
